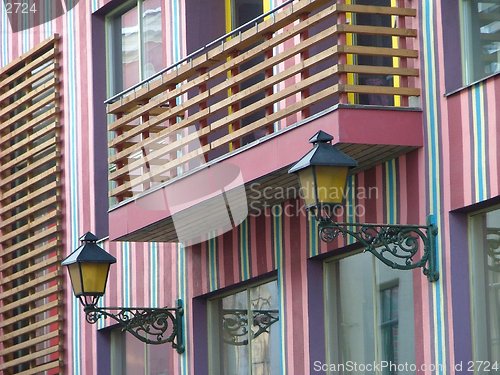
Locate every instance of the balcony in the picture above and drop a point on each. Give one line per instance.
(263, 89)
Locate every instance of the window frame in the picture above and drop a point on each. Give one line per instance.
(212, 315)
(332, 308)
(111, 56)
(473, 275)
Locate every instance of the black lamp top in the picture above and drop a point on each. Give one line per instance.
(89, 252)
(323, 153)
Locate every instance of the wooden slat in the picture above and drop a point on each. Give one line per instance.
(383, 70)
(44, 116)
(31, 342)
(31, 196)
(382, 90)
(49, 43)
(37, 237)
(395, 11)
(32, 298)
(32, 225)
(30, 270)
(33, 181)
(378, 51)
(27, 156)
(377, 30)
(30, 138)
(218, 53)
(30, 110)
(40, 369)
(280, 95)
(26, 85)
(29, 67)
(32, 327)
(43, 204)
(31, 167)
(30, 313)
(223, 104)
(32, 284)
(216, 71)
(30, 96)
(29, 357)
(270, 119)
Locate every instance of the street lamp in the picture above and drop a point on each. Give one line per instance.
(88, 267)
(323, 175)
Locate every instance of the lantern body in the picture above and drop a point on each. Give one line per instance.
(88, 279)
(323, 185)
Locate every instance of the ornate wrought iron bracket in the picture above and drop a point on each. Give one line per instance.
(236, 329)
(150, 325)
(395, 245)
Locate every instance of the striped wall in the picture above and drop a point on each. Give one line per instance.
(458, 167)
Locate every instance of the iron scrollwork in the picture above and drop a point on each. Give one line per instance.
(150, 325)
(236, 329)
(395, 245)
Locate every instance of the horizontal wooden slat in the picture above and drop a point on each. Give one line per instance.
(377, 30)
(29, 154)
(241, 58)
(378, 51)
(29, 357)
(40, 369)
(32, 239)
(30, 138)
(32, 327)
(26, 99)
(32, 284)
(383, 70)
(218, 53)
(32, 298)
(33, 181)
(31, 270)
(31, 196)
(395, 11)
(39, 206)
(382, 90)
(10, 135)
(30, 313)
(48, 101)
(32, 225)
(48, 44)
(31, 342)
(30, 168)
(44, 74)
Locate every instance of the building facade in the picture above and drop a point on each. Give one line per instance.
(167, 128)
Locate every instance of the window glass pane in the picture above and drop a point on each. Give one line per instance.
(152, 38)
(130, 48)
(246, 330)
(134, 355)
(266, 329)
(485, 277)
(481, 35)
(369, 307)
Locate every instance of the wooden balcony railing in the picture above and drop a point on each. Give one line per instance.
(294, 63)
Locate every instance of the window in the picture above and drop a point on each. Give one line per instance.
(480, 21)
(245, 330)
(485, 285)
(130, 356)
(369, 315)
(136, 41)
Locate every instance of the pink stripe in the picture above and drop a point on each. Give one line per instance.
(288, 290)
(493, 102)
(221, 269)
(236, 255)
(468, 138)
(253, 247)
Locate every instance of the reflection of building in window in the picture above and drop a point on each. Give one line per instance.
(135, 37)
(130, 356)
(368, 307)
(389, 326)
(485, 283)
(246, 331)
(481, 38)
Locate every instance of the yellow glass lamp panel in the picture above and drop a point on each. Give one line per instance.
(94, 276)
(76, 278)
(330, 187)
